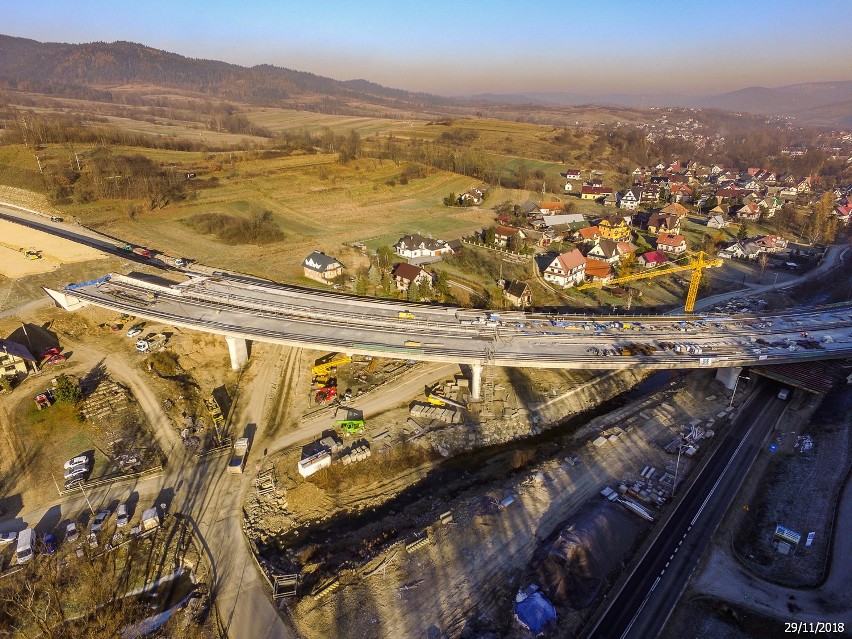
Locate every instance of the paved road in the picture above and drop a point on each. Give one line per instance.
(644, 604)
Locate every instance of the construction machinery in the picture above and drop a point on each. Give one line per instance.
(32, 254)
(42, 401)
(697, 263)
(327, 364)
(405, 315)
(436, 399)
(215, 411)
(52, 356)
(324, 395)
(352, 426)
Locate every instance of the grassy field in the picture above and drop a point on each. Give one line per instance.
(279, 120)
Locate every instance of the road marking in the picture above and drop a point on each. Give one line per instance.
(684, 535)
(724, 470)
(667, 564)
(654, 585)
(662, 572)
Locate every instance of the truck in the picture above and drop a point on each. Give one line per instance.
(150, 519)
(142, 252)
(238, 459)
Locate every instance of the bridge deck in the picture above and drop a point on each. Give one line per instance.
(265, 311)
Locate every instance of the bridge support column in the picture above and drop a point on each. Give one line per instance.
(475, 380)
(728, 376)
(238, 349)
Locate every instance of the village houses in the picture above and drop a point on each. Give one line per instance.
(321, 267)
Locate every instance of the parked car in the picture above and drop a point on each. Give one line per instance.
(74, 482)
(135, 330)
(55, 218)
(100, 518)
(72, 533)
(24, 551)
(76, 472)
(122, 516)
(142, 345)
(180, 262)
(76, 461)
(7, 538)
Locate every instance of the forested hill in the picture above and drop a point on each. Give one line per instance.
(82, 69)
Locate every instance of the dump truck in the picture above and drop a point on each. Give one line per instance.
(238, 459)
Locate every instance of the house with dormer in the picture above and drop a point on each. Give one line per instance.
(568, 269)
(415, 245)
(671, 243)
(321, 267)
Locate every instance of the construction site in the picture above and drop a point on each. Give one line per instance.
(452, 506)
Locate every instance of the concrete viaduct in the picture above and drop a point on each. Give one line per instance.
(243, 308)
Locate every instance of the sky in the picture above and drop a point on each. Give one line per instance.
(465, 47)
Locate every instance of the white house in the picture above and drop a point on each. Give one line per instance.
(568, 269)
(419, 246)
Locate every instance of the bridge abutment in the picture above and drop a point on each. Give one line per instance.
(238, 350)
(475, 380)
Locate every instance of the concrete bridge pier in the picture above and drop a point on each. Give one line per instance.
(475, 380)
(728, 376)
(238, 350)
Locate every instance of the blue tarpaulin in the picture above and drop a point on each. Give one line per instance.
(536, 613)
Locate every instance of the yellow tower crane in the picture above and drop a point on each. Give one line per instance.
(697, 264)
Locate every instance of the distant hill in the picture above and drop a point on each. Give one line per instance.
(98, 70)
(812, 103)
(61, 68)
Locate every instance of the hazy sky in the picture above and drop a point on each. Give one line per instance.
(472, 46)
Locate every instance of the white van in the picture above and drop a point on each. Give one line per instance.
(25, 546)
(784, 393)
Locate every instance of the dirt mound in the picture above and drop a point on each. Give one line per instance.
(572, 567)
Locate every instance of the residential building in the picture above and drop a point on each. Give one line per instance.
(551, 208)
(660, 222)
(630, 199)
(717, 222)
(594, 192)
(771, 243)
(404, 275)
(598, 271)
(413, 246)
(652, 259)
(503, 235)
(571, 174)
(15, 360)
(615, 228)
(568, 269)
(605, 250)
(671, 244)
(321, 267)
(518, 293)
(749, 212)
(588, 234)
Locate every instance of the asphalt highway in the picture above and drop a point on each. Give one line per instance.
(644, 604)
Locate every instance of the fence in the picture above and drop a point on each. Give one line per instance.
(113, 479)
